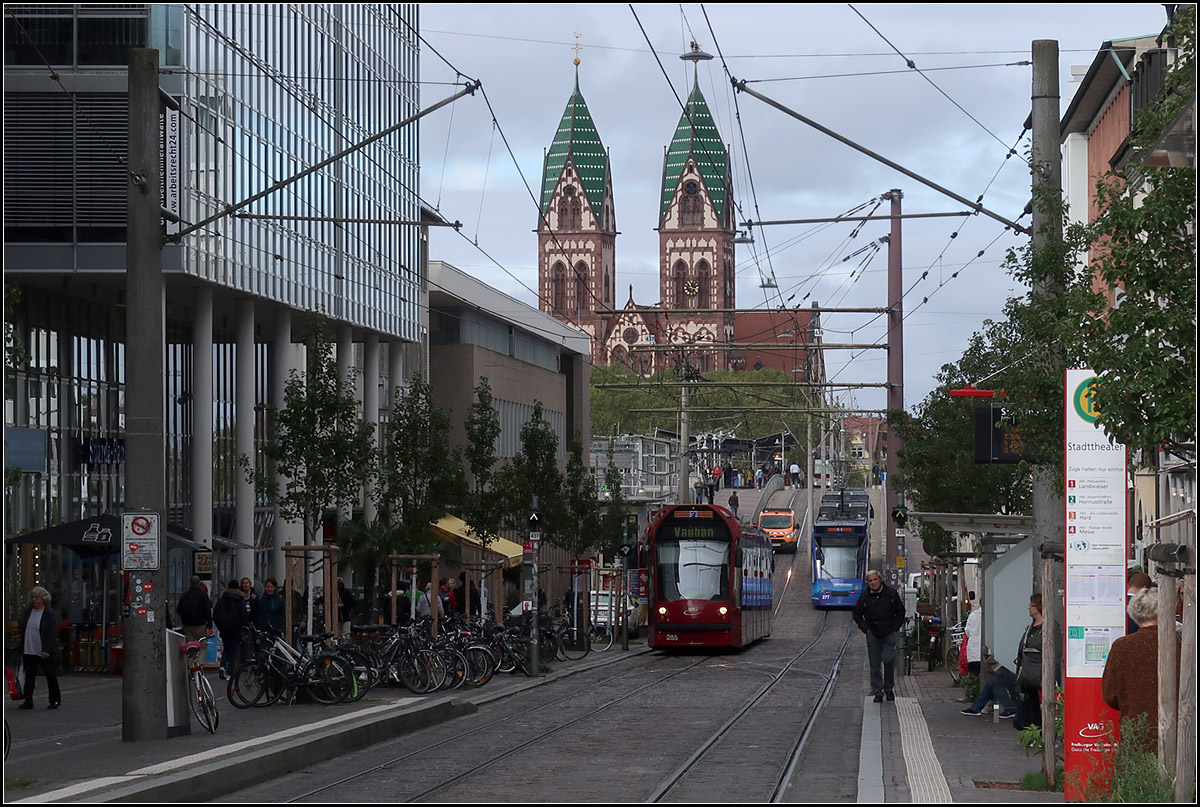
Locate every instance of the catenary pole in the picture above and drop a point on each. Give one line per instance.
(1047, 233)
(143, 686)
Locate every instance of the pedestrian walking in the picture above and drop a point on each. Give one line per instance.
(758, 477)
(270, 609)
(733, 503)
(795, 472)
(39, 649)
(195, 612)
(229, 615)
(347, 605)
(880, 615)
(249, 595)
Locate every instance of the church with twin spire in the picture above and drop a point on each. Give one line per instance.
(577, 233)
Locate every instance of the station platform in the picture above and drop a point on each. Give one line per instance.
(917, 749)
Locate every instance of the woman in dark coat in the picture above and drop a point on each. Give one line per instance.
(229, 615)
(39, 648)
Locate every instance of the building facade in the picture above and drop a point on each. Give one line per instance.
(263, 91)
(577, 246)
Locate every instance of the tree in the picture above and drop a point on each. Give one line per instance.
(615, 512)
(482, 502)
(420, 476)
(534, 472)
(937, 466)
(580, 529)
(317, 441)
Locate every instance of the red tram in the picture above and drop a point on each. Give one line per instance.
(709, 581)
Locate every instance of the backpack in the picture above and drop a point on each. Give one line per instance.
(227, 614)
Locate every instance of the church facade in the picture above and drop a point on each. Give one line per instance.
(577, 247)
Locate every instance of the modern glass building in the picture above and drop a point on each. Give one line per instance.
(264, 90)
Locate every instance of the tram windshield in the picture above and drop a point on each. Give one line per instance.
(693, 570)
(839, 560)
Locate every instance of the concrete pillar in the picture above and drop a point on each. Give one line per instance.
(202, 417)
(245, 420)
(396, 369)
(371, 409)
(282, 362)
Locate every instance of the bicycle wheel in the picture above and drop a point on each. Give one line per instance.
(458, 669)
(204, 704)
(504, 659)
(602, 637)
(363, 677)
(414, 673)
(328, 678)
(246, 686)
(575, 643)
(952, 662)
(483, 664)
(437, 669)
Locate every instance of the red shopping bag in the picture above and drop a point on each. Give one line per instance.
(962, 657)
(14, 689)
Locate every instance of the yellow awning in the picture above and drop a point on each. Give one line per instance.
(455, 529)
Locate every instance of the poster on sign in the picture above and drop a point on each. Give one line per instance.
(1095, 538)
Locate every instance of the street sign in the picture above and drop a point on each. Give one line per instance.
(140, 547)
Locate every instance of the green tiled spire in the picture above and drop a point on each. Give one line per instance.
(697, 138)
(578, 141)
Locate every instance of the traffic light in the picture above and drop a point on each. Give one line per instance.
(900, 515)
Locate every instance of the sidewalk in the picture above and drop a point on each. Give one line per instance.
(969, 759)
(922, 748)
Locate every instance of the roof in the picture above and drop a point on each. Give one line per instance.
(1109, 68)
(577, 141)
(697, 138)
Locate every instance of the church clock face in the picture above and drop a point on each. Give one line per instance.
(630, 335)
(691, 288)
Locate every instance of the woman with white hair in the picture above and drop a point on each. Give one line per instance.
(39, 650)
(1130, 683)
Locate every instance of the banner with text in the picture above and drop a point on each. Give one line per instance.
(1096, 544)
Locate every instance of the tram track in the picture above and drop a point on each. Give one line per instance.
(532, 746)
(494, 759)
(677, 780)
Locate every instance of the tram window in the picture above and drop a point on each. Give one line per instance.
(840, 562)
(693, 570)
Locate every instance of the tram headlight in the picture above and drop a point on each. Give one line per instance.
(662, 610)
(723, 610)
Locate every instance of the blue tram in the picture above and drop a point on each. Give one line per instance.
(710, 579)
(840, 545)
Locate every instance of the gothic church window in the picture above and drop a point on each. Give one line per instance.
(691, 206)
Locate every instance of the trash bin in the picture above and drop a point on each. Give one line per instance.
(179, 719)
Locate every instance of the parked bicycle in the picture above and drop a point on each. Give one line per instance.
(278, 669)
(954, 636)
(200, 694)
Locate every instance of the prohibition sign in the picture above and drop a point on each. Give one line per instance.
(140, 525)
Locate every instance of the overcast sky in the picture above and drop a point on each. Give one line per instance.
(835, 64)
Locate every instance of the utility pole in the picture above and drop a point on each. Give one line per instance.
(1047, 232)
(895, 374)
(143, 686)
(684, 471)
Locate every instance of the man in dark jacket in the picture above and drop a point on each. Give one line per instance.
(880, 615)
(229, 615)
(195, 612)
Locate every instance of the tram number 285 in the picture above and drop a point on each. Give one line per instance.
(671, 637)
